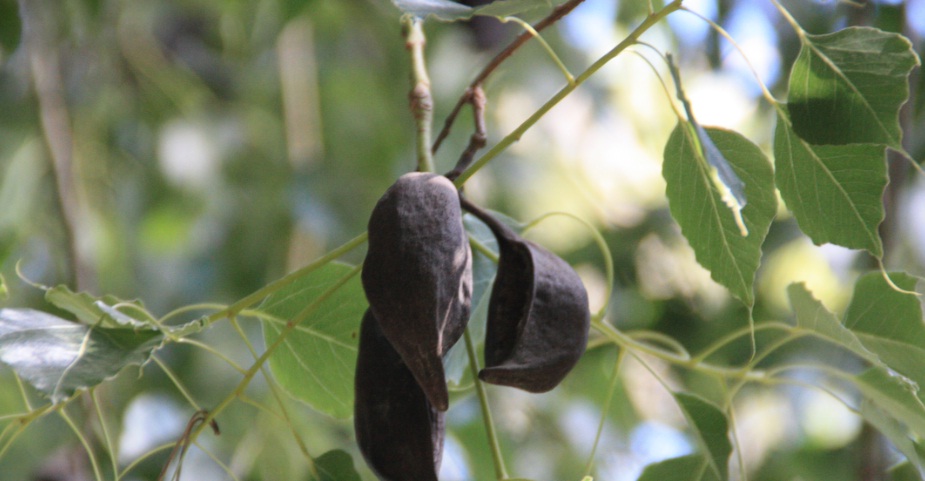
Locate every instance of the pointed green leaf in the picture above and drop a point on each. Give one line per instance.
(59, 357)
(847, 87)
(895, 395)
(506, 8)
(897, 433)
(694, 467)
(905, 472)
(335, 465)
(445, 10)
(315, 363)
(706, 222)
(93, 310)
(813, 316)
(834, 192)
(710, 429)
(889, 323)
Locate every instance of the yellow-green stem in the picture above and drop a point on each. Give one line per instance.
(500, 470)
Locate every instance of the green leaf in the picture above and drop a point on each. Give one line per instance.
(834, 192)
(4, 290)
(905, 472)
(93, 310)
(847, 87)
(686, 468)
(710, 429)
(813, 316)
(316, 362)
(440, 9)
(59, 357)
(335, 465)
(896, 433)
(708, 225)
(506, 8)
(889, 322)
(895, 395)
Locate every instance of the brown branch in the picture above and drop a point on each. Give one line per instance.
(555, 16)
(476, 97)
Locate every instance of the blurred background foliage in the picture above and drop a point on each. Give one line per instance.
(214, 145)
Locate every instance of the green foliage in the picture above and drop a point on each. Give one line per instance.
(846, 87)
(708, 225)
(296, 106)
(313, 360)
(60, 357)
(834, 191)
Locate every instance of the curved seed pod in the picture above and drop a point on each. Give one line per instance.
(418, 274)
(538, 315)
(399, 432)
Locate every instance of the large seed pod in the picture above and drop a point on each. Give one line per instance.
(538, 315)
(399, 432)
(418, 274)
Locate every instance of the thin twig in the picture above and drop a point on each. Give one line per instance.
(475, 96)
(555, 16)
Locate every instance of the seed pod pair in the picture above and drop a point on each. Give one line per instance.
(398, 430)
(538, 316)
(418, 275)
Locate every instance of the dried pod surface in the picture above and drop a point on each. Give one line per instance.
(418, 274)
(399, 432)
(538, 316)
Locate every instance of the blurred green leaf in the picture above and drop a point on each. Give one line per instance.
(694, 467)
(708, 225)
(317, 360)
(335, 465)
(889, 322)
(847, 87)
(440, 9)
(905, 472)
(895, 395)
(897, 433)
(711, 431)
(506, 8)
(59, 357)
(833, 191)
(813, 316)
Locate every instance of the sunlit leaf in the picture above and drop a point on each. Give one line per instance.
(833, 191)
(847, 87)
(445, 10)
(59, 357)
(711, 431)
(694, 467)
(813, 316)
(889, 323)
(706, 222)
(897, 433)
(335, 465)
(316, 362)
(895, 395)
(4, 291)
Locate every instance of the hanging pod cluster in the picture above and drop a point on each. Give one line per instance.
(418, 280)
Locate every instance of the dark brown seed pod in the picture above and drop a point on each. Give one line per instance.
(538, 315)
(418, 275)
(398, 430)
